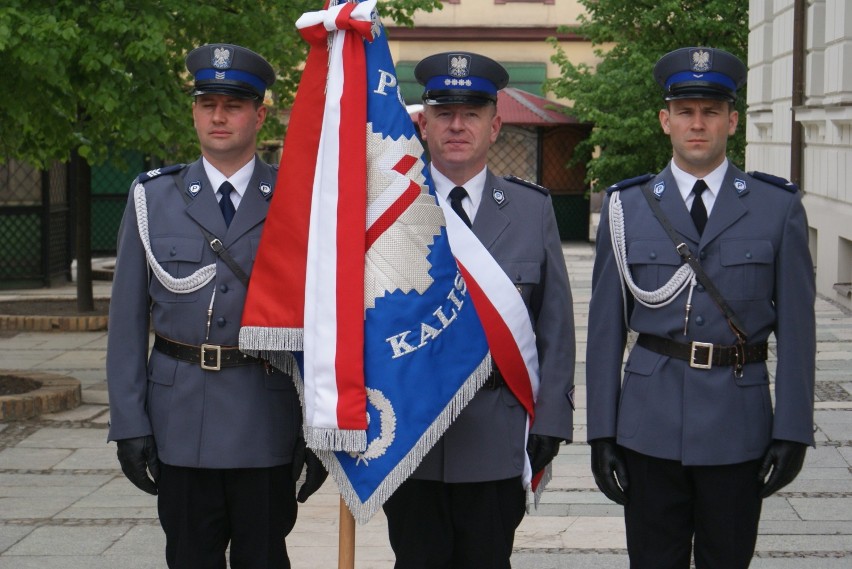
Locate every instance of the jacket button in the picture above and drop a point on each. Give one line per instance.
(702, 255)
(173, 252)
(653, 255)
(223, 288)
(220, 322)
(699, 320)
(748, 255)
(699, 288)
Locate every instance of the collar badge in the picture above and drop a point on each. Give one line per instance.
(265, 189)
(498, 195)
(193, 188)
(659, 189)
(740, 185)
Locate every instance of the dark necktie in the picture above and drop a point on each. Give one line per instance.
(225, 204)
(457, 194)
(698, 211)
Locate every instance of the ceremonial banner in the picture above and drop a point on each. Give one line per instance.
(356, 277)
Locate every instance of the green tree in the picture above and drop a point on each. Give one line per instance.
(619, 95)
(84, 79)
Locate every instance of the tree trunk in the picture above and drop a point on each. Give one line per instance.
(82, 181)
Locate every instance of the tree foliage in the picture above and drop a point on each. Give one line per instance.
(86, 80)
(109, 75)
(619, 95)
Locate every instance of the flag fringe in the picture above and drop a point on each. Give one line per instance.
(534, 496)
(254, 339)
(323, 438)
(363, 511)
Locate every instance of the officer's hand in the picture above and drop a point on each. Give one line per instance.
(609, 469)
(315, 474)
(138, 457)
(542, 449)
(785, 458)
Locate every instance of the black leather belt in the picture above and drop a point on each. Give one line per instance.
(211, 356)
(494, 381)
(702, 355)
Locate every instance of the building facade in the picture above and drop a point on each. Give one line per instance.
(799, 122)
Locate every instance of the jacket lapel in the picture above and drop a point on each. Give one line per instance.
(490, 222)
(254, 204)
(674, 207)
(203, 208)
(728, 207)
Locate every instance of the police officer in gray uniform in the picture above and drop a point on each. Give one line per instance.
(704, 262)
(213, 432)
(461, 507)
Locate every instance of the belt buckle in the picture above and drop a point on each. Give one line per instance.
(697, 365)
(205, 348)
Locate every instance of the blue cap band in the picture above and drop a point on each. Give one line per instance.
(708, 77)
(471, 83)
(211, 74)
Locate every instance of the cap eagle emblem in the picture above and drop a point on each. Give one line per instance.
(458, 66)
(221, 58)
(701, 61)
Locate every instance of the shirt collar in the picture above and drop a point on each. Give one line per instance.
(239, 180)
(685, 180)
(474, 187)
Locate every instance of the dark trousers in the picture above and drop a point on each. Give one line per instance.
(435, 525)
(202, 511)
(671, 504)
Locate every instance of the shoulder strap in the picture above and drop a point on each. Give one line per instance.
(686, 255)
(221, 251)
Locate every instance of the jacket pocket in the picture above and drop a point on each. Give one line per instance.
(652, 262)
(525, 275)
(180, 256)
(633, 403)
(749, 269)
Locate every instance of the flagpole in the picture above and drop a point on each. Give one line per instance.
(346, 540)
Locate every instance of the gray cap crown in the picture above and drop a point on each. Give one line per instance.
(460, 77)
(700, 73)
(227, 69)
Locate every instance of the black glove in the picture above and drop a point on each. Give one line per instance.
(609, 469)
(785, 458)
(138, 457)
(315, 474)
(542, 449)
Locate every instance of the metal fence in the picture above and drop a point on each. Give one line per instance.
(35, 225)
(541, 155)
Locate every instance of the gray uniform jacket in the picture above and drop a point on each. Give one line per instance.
(238, 417)
(755, 250)
(486, 442)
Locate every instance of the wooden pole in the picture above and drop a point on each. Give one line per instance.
(346, 540)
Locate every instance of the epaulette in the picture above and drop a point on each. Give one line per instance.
(527, 183)
(629, 182)
(775, 181)
(156, 172)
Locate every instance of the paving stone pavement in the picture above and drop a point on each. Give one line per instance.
(65, 504)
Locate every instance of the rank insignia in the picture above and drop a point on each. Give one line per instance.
(193, 188)
(740, 185)
(498, 195)
(659, 189)
(265, 189)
